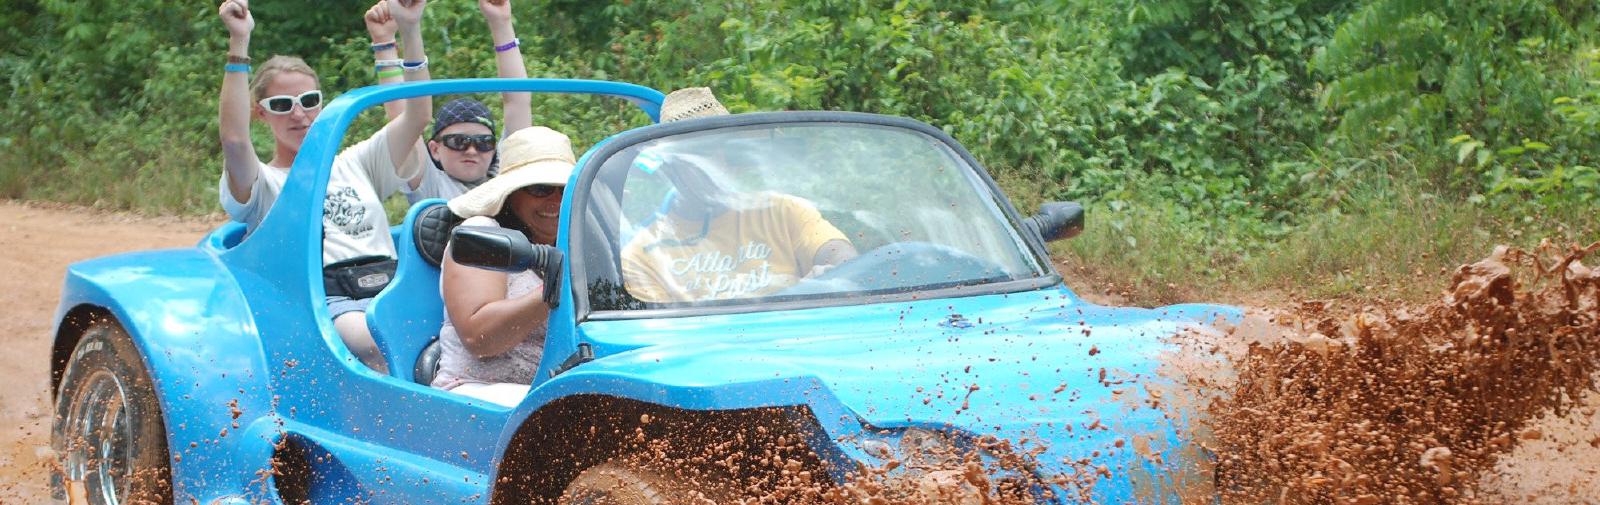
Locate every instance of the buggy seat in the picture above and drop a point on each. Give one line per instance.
(405, 318)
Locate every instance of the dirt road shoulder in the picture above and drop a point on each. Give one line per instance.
(38, 242)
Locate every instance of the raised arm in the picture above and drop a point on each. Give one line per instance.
(488, 323)
(508, 61)
(409, 125)
(382, 28)
(233, 124)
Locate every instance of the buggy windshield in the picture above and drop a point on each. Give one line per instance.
(755, 214)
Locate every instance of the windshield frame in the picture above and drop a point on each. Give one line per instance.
(590, 170)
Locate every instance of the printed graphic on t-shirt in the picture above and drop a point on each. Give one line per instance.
(344, 211)
(757, 250)
(720, 274)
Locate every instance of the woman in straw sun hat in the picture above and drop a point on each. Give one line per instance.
(493, 334)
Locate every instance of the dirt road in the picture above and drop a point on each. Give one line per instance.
(39, 241)
(1559, 461)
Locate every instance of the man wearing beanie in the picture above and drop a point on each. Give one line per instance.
(464, 145)
(463, 151)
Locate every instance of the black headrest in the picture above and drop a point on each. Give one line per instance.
(431, 232)
(427, 363)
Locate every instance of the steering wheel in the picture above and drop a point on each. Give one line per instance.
(899, 265)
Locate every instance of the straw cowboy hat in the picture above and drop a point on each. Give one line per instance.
(533, 156)
(690, 103)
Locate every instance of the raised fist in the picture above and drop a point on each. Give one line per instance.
(235, 15)
(495, 10)
(380, 24)
(408, 13)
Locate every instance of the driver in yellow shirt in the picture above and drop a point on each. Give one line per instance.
(714, 244)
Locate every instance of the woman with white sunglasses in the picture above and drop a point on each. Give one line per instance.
(356, 243)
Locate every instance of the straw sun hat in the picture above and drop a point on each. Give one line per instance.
(528, 157)
(690, 103)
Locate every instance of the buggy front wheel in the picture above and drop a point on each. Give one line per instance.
(108, 431)
(621, 482)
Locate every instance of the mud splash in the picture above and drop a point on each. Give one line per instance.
(1314, 404)
(1347, 405)
(1406, 405)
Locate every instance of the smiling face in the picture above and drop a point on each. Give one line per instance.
(540, 213)
(289, 129)
(468, 165)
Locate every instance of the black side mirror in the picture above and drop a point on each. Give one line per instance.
(1056, 221)
(502, 250)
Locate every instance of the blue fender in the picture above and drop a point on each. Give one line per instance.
(185, 313)
(1042, 359)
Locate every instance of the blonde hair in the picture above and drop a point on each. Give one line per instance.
(276, 65)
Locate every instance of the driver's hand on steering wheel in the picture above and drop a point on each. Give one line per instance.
(819, 270)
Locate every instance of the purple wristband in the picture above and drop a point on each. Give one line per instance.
(507, 46)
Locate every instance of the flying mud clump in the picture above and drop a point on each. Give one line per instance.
(1407, 405)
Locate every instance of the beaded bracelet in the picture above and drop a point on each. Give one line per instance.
(508, 46)
(414, 66)
(389, 72)
(239, 59)
(382, 46)
(236, 67)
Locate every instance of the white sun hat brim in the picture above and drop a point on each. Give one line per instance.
(489, 197)
(533, 156)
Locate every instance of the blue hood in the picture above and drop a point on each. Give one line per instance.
(1038, 368)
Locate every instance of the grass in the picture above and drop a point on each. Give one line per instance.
(130, 169)
(1402, 244)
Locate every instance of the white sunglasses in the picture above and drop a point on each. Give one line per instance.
(283, 104)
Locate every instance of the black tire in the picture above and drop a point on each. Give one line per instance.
(619, 482)
(108, 430)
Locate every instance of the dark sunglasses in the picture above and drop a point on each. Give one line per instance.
(541, 191)
(460, 142)
(283, 104)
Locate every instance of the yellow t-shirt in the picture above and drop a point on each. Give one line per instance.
(756, 249)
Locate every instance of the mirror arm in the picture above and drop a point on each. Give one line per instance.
(550, 262)
(503, 250)
(1056, 221)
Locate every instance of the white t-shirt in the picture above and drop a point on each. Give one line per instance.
(353, 220)
(436, 183)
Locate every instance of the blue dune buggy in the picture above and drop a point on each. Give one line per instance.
(213, 375)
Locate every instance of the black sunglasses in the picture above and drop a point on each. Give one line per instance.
(460, 142)
(541, 191)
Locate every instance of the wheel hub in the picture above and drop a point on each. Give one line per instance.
(97, 439)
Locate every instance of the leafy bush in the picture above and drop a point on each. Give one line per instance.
(1227, 129)
(1476, 84)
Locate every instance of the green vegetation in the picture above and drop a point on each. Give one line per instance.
(1225, 148)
